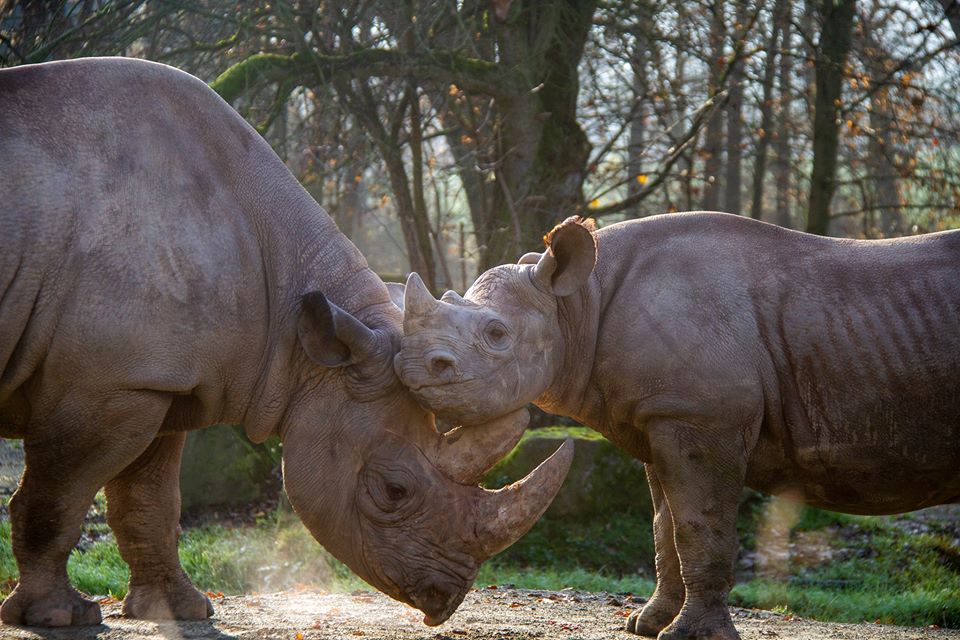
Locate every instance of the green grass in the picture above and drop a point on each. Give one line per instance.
(916, 606)
(276, 554)
(8, 568)
(618, 546)
(495, 573)
(878, 570)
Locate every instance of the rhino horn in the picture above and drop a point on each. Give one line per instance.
(417, 300)
(466, 453)
(506, 514)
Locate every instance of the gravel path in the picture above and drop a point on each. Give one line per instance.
(487, 614)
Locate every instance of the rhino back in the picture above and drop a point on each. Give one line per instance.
(848, 350)
(865, 338)
(135, 247)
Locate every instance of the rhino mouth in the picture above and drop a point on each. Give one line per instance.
(439, 593)
(438, 605)
(427, 385)
(451, 401)
(436, 590)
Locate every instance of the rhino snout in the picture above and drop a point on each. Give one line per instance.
(442, 365)
(438, 602)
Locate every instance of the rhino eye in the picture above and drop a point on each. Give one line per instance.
(395, 492)
(390, 492)
(495, 333)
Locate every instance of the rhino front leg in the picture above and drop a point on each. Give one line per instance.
(701, 473)
(69, 457)
(667, 598)
(143, 509)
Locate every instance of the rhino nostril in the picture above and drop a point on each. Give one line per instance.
(442, 365)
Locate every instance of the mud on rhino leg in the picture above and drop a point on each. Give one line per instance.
(143, 509)
(701, 474)
(69, 457)
(667, 598)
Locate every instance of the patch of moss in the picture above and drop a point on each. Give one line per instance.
(221, 466)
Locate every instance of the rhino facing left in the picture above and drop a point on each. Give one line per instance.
(160, 271)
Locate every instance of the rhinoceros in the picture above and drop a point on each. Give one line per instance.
(721, 352)
(161, 271)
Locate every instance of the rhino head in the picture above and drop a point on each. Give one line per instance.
(500, 346)
(380, 488)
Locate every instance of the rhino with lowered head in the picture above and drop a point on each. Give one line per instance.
(160, 271)
(721, 352)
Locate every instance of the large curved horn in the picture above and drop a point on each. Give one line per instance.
(503, 516)
(465, 454)
(417, 300)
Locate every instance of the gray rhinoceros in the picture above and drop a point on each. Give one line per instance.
(159, 272)
(721, 352)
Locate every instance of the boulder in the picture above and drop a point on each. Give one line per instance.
(603, 480)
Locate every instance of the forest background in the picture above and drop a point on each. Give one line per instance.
(446, 136)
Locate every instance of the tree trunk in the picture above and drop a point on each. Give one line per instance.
(734, 111)
(640, 61)
(766, 111)
(413, 222)
(421, 220)
(713, 143)
(783, 159)
(542, 150)
(837, 20)
(881, 146)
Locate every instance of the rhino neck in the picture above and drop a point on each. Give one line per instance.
(302, 250)
(578, 316)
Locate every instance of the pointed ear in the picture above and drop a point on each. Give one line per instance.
(396, 290)
(530, 258)
(331, 336)
(569, 259)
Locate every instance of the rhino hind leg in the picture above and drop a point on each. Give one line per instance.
(69, 456)
(701, 475)
(143, 509)
(667, 598)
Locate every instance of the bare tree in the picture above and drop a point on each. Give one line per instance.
(765, 131)
(713, 143)
(733, 186)
(836, 19)
(782, 163)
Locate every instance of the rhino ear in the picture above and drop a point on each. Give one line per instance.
(331, 336)
(530, 258)
(396, 290)
(569, 259)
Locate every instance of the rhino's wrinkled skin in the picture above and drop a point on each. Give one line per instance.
(722, 352)
(160, 271)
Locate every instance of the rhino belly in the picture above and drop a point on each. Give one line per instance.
(863, 472)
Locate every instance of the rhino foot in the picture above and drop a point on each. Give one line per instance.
(703, 630)
(63, 607)
(647, 625)
(175, 600)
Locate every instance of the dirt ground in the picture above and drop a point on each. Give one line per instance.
(487, 614)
